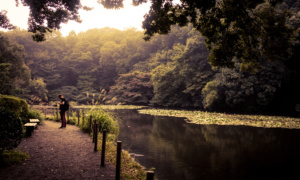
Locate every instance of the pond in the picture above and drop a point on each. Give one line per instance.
(182, 151)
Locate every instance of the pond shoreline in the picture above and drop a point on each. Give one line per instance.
(203, 117)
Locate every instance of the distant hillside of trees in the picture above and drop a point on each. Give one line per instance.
(118, 67)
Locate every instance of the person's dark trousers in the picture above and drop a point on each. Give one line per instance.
(63, 118)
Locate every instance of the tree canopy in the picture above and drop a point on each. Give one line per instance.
(234, 29)
(13, 71)
(4, 21)
(113, 66)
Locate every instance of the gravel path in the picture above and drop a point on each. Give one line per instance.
(58, 154)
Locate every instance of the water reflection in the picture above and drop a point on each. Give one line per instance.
(178, 150)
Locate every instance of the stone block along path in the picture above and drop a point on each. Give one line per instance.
(58, 154)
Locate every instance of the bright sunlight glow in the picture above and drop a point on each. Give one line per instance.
(99, 17)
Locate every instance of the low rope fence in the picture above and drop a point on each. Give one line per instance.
(93, 129)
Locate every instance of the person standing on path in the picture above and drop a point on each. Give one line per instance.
(63, 107)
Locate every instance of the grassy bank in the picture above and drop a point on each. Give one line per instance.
(201, 117)
(130, 169)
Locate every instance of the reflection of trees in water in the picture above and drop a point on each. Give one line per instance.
(240, 151)
(190, 151)
(136, 128)
(217, 151)
(180, 146)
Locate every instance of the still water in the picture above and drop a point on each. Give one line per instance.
(182, 151)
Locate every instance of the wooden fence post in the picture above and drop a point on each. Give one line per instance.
(57, 114)
(90, 124)
(103, 148)
(82, 124)
(68, 115)
(94, 131)
(150, 175)
(96, 136)
(45, 112)
(78, 115)
(118, 164)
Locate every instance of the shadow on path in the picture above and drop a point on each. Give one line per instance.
(58, 154)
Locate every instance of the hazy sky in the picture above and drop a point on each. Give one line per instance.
(99, 17)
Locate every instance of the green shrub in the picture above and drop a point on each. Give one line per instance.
(105, 121)
(10, 129)
(34, 114)
(12, 157)
(72, 118)
(15, 104)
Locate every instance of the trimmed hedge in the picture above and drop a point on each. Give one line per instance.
(16, 105)
(10, 130)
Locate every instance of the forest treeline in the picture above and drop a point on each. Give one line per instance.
(110, 66)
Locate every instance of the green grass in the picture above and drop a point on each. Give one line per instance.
(10, 157)
(202, 117)
(111, 107)
(130, 169)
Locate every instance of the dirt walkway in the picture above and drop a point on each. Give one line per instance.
(58, 154)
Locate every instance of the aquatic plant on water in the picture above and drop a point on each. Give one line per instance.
(203, 117)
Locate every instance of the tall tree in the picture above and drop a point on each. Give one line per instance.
(36, 92)
(242, 91)
(132, 88)
(181, 75)
(243, 29)
(14, 73)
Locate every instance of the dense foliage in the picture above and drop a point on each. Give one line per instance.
(10, 130)
(179, 82)
(4, 21)
(14, 113)
(112, 66)
(250, 28)
(14, 74)
(84, 66)
(34, 114)
(132, 88)
(105, 121)
(240, 91)
(243, 29)
(16, 105)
